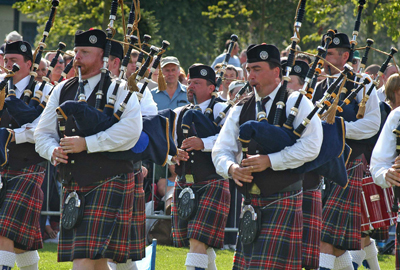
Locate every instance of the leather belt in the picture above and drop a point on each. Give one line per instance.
(293, 187)
(190, 178)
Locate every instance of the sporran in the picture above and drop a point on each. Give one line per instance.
(187, 204)
(249, 224)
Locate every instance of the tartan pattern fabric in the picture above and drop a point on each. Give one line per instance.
(138, 240)
(312, 226)
(397, 251)
(341, 214)
(20, 212)
(105, 231)
(377, 234)
(208, 224)
(279, 244)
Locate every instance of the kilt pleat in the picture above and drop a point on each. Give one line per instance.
(138, 240)
(279, 244)
(397, 250)
(341, 214)
(105, 231)
(208, 224)
(20, 211)
(312, 225)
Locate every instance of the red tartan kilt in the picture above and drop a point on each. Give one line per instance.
(341, 214)
(279, 244)
(312, 226)
(105, 231)
(20, 211)
(138, 240)
(208, 224)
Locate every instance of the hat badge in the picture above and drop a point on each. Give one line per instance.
(336, 41)
(297, 69)
(203, 72)
(263, 55)
(93, 39)
(23, 48)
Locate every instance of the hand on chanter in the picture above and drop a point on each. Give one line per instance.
(73, 144)
(181, 155)
(257, 163)
(240, 174)
(59, 156)
(192, 143)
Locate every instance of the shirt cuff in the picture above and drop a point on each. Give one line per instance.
(226, 171)
(208, 145)
(276, 161)
(91, 143)
(20, 137)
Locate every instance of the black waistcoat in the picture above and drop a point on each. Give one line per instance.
(268, 181)
(20, 155)
(86, 168)
(350, 111)
(200, 163)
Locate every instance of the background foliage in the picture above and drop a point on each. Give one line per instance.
(197, 30)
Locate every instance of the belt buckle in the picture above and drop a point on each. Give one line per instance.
(189, 178)
(255, 189)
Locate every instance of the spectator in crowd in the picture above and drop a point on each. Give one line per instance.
(233, 60)
(42, 70)
(58, 69)
(175, 94)
(182, 77)
(243, 57)
(234, 87)
(68, 56)
(230, 75)
(13, 36)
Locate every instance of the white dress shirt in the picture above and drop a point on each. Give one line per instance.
(369, 125)
(228, 150)
(381, 93)
(209, 141)
(384, 152)
(24, 134)
(122, 136)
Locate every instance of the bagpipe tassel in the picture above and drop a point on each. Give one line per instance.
(361, 108)
(162, 85)
(132, 86)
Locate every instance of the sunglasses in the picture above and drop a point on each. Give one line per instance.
(355, 61)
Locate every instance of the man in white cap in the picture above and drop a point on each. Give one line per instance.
(175, 94)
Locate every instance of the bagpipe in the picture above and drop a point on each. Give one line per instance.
(26, 113)
(273, 138)
(5, 135)
(156, 139)
(214, 95)
(30, 89)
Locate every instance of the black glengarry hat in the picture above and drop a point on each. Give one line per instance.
(263, 52)
(19, 47)
(202, 72)
(91, 38)
(300, 68)
(117, 50)
(340, 40)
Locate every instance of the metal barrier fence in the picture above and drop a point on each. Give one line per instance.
(153, 215)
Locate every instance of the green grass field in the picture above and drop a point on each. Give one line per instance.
(170, 258)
